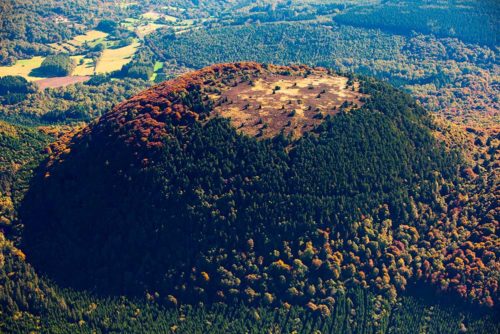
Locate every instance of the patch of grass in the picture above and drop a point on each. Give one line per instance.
(125, 4)
(170, 18)
(130, 21)
(173, 8)
(90, 36)
(293, 108)
(87, 68)
(190, 22)
(158, 66)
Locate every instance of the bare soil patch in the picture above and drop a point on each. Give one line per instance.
(293, 104)
(60, 81)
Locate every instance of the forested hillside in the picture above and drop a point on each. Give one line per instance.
(22, 150)
(268, 197)
(75, 103)
(362, 201)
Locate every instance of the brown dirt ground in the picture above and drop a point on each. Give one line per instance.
(258, 109)
(60, 81)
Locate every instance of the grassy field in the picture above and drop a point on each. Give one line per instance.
(146, 23)
(158, 66)
(153, 16)
(22, 68)
(189, 22)
(87, 68)
(114, 59)
(170, 18)
(130, 22)
(91, 36)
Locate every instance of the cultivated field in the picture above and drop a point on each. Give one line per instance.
(111, 60)
(114, 59)
(293, 104)
(22, 68)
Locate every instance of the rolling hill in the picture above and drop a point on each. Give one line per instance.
(260, 184)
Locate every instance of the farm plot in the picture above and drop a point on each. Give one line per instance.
(114, 59)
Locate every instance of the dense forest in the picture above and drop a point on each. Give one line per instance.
(22, 150)
(445, 19)
(29, 303)
(14, 89)
(57, 66)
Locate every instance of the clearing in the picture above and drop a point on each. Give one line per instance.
(293, 104)
(173, 8)
(114, 59)
(158, 66)
(151, 15)
(125, 4)
(145, 29)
